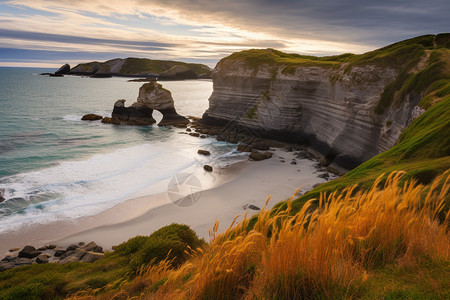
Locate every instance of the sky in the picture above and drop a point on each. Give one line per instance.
(49, 33)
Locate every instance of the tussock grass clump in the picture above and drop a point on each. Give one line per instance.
(331, 251)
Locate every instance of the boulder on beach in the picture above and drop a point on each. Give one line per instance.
(42, 259)
(91, 117)
(260, 146)
(257, 155)
(29, 252)
(204, 152)
(208, 168)
(244, 148)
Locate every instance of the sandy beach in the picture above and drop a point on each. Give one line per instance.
(225, 194)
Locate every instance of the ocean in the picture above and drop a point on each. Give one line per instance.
(53, 166)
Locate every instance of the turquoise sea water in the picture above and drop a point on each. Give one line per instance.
(55, 166)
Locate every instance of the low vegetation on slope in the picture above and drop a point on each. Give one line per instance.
(55, 281)
(384, 242)
(349, 247)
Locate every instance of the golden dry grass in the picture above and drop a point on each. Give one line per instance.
(324, 252)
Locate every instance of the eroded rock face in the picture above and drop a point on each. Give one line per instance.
(330, 109)
(152, 96)
(65, 69)
(136, 114)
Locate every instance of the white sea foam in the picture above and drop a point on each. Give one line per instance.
(75, 189)
(73, 118)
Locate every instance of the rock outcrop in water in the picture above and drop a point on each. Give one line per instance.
(348, 107)
(152, 96)
(143, 67)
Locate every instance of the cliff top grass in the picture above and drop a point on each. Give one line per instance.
(397, 55)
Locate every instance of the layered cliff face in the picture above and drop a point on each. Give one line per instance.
(348, 107)
(143, 67)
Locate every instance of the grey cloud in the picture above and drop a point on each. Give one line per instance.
(356, 21)
(38, 36)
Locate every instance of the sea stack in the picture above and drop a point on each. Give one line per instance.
(152, 96)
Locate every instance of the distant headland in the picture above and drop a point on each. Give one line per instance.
(137, 67)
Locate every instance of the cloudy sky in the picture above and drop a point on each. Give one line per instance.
(52, 32)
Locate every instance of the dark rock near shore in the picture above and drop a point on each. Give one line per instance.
(73, 253)
(244, 148)
(72, 247)
(142, 80)
(204, 152)
(59, 252)
(251, 206)
(260, 146)
(208, 168)
(29, 252)
(151, 97)
(2, 195)
(56, 75)
(91, 256)
(256, 155)
(91, 117)
(136, 114)
(42, 259)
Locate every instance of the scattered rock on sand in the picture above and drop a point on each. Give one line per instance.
(207, 168)
(256, 155)
(42, 259)
(260, 146)
(244, 148)
(251, 206)
(72, 247)
(204, 152)
(92, 256)
(14, 249)
(91, 117)
(29, 252)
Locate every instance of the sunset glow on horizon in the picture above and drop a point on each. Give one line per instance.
(50, 32)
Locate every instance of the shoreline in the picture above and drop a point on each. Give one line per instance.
(224, 194)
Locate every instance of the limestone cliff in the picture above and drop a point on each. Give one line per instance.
(143, 67)
(348, 107)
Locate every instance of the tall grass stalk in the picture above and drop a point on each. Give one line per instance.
(324, 251)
